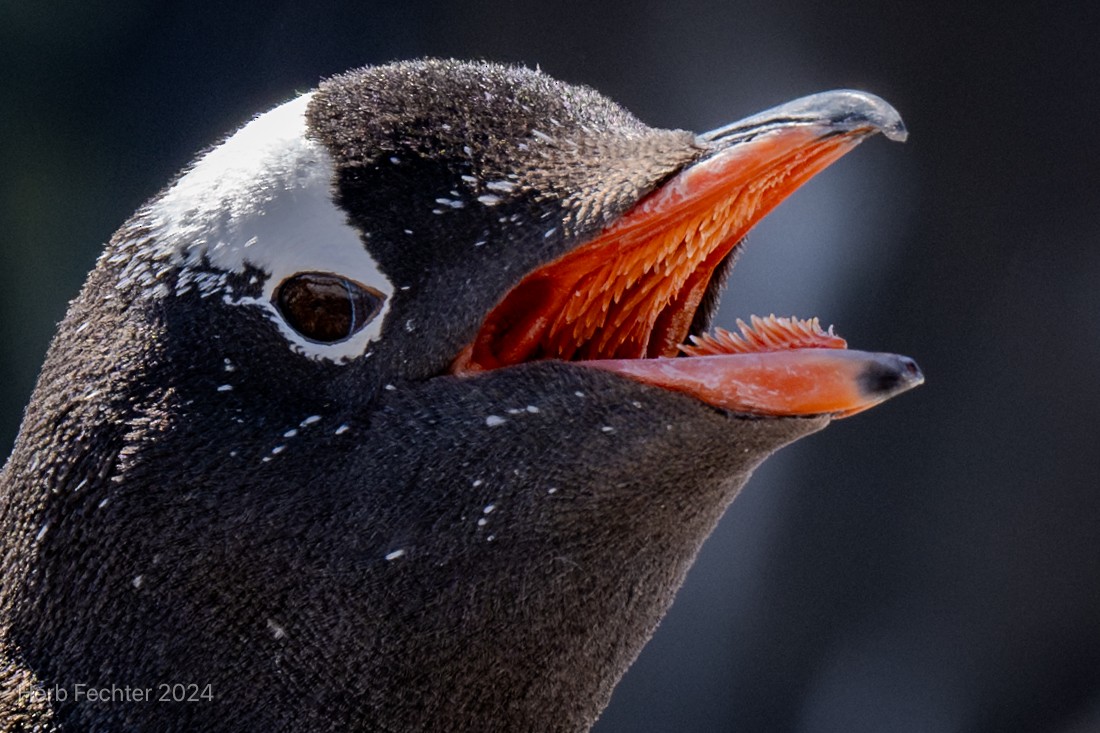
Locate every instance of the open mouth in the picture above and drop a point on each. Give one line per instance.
(637, 298)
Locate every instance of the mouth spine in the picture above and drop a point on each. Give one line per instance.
(772, 333)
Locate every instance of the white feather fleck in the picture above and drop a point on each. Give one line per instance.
(277, 631)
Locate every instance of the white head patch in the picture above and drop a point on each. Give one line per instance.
(263, 199)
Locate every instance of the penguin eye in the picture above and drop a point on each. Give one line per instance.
(326, 308)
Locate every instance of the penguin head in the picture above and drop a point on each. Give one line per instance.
(374, 417)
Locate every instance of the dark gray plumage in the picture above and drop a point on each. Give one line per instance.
(369, 545)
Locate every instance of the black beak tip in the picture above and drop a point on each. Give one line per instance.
(889, 375)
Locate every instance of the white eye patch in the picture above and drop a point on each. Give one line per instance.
(263, 199)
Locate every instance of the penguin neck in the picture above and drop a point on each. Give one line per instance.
(532, 577)
(436, 567)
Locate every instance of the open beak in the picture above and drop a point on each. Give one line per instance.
(628, 300)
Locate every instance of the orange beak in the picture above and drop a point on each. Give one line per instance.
(626, 300)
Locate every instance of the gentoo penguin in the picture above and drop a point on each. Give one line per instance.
(397, 411)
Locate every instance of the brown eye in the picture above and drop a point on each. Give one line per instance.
(325, 307)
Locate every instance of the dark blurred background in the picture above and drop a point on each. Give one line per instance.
(932, 565)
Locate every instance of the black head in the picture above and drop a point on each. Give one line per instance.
(233, 476)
